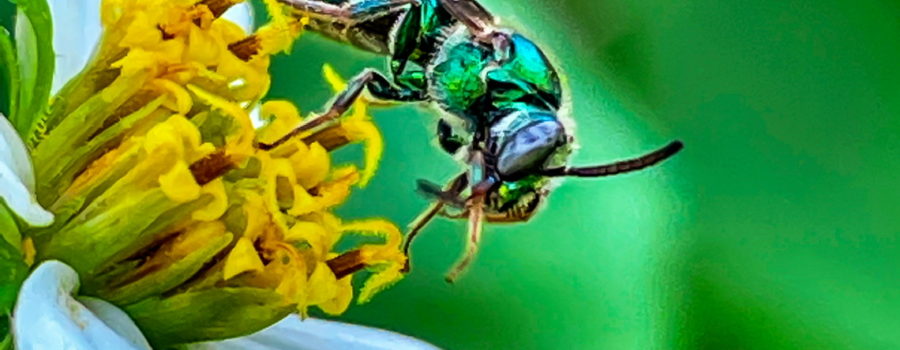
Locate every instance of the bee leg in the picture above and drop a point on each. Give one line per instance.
(476, 213)
(454, 189)
(434, 191)
(415, 227)
(377, 84)
(480, 186)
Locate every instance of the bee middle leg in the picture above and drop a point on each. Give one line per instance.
(378, 86)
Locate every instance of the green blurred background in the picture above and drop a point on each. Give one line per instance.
(776, 228)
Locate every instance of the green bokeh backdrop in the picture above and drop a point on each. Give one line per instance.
(777, 227)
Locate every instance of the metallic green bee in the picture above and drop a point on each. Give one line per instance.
(494, 82)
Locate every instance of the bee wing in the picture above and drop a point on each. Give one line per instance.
(474, 16)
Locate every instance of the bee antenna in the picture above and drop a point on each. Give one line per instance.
(620, 167)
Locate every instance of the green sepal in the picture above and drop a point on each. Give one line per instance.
(211, 314)
(11, 71)
(34, 42)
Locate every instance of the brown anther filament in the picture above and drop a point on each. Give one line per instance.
(211, 167)
(218, 7)
(245, 48)
(165, 34)
(346, 264)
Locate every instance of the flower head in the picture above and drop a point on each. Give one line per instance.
(164, 204)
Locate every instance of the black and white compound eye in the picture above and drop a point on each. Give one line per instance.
(529, 147)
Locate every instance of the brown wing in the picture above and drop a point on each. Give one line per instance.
(471, 14)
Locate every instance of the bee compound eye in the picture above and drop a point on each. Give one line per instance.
(529, 147)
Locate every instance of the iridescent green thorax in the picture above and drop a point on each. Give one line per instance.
(525, 77)
(468, 82)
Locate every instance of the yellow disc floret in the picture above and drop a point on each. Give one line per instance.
(166, 204)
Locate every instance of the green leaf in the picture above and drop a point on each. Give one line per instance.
(10, 70)
(34, 42)
(12, 273)
(6, 343)
(8, 228)
(211, 314)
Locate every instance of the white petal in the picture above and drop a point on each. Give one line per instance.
(315, 334)
(20, 200)
(242, 15)
(48, 317)
(14, 154)
(116, 319)
(17, 178)
(76, 31)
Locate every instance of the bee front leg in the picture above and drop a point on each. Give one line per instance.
(453, 190)
(481, 184)
(377, 84)
(473, 239)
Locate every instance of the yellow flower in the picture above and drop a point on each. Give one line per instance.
(165, 205)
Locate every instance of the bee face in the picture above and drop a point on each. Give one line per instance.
(516, 201)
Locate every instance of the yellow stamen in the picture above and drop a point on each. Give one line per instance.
(180, 99)
(219, 204)
(243, 258)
